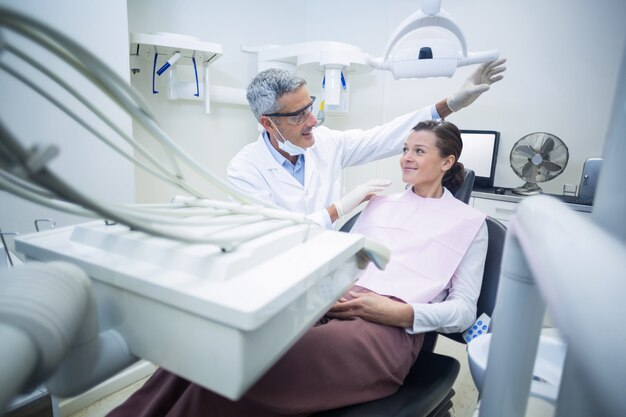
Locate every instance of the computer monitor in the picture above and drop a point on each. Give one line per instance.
(589, 178)
(480, 152)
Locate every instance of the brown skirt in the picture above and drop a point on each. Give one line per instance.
(336, 363)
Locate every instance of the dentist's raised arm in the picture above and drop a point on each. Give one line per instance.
(476, 84)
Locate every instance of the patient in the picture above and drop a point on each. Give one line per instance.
(364, 347)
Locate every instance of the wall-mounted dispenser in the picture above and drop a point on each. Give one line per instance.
(165, 52)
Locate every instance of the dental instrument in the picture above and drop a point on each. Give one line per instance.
(169, 63)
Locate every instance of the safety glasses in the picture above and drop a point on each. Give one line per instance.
(297, 117)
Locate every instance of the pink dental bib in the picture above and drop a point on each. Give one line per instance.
(427, 237)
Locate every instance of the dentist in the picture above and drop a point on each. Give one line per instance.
(297, 166)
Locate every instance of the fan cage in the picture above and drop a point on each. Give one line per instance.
(527, 155)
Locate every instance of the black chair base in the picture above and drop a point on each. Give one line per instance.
(426, 392)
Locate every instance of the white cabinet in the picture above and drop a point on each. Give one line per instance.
(502, 206)
(499, 210)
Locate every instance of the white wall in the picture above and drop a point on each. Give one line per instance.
(84, 162)
(563, 58)
(212, 139)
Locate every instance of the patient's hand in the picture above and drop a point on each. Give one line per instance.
(375, 308)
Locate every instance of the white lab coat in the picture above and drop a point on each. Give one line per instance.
(255, 171)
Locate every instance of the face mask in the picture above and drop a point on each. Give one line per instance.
(287, 146)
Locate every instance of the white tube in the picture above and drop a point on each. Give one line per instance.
(206, 93)
(516, 328)
(479, 57)
(564, 250)
(135, 64)
(87, 365)
(18, 358)
(53, 308)
(376, 63)
(46, 303)
(573, 398)
(172, 84)
(93, 356)
(217, 94)
(229, 95)
(332, 86)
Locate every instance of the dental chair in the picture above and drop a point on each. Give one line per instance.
(465, 190)
(427, 390)
(572, 266)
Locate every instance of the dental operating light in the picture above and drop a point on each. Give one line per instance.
(428, 57)
(438, 51)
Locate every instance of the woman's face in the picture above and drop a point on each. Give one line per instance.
(421, 164)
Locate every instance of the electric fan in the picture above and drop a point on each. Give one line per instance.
(537, 157)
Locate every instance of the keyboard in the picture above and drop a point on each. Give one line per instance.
(574, 199)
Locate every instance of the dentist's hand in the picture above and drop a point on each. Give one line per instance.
(476, 84)
(363, 192)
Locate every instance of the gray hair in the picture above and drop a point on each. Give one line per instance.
(268, 86)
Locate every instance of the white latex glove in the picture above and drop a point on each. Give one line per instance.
(476, 84)
(363, 192)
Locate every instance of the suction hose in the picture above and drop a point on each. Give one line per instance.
(49, 332)
(41, 309)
